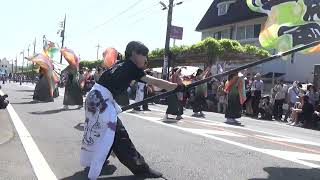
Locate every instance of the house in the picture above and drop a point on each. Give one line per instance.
(5, 66)
(232, 19)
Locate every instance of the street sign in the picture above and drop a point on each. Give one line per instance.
(176, 32)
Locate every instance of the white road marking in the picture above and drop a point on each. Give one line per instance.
(293, 157)
(210, 122)
(290, 140)
(214, 132)
(39, 164)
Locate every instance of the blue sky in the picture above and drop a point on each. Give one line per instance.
(90, 22)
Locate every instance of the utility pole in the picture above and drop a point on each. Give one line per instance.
(98, 47)
(63, 35)
(28, 56)
(22, 59)
(12, 67)
(16, 61)
(166, 60)
(34, 52)
(167, 56)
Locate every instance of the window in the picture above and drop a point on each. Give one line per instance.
(222, 9)
(248, 32)
(225, 34)
(241, 33)
(257, 29)
(217, 35)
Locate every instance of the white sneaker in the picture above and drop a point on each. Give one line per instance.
(166, 116)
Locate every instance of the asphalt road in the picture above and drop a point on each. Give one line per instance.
(46, 144)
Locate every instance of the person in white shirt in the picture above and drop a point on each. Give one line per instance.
(139, 94)
(280, 91)
(256, 91)
(293, 92)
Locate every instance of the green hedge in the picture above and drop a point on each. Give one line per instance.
(209, 45)
(212, 47)
(90, 64)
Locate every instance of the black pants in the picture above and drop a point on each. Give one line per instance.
(255, 102)
(146, 95)
(126, 152)
(175, 106)
(277, 108)
(199, 104)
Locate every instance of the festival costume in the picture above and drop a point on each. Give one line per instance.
(73, 93)
(103, 131)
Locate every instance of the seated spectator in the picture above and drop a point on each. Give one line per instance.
(266, 109)
(307, 112)
(311, 93)
(304, 116)
(316, 117)
(296, 111)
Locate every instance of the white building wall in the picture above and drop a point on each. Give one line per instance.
(302, 68)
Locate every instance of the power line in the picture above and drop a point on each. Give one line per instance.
(117, 15)
(144, 17)
(143, 10)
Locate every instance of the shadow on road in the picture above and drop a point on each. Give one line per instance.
(24, 90)
(30, 102)
(170, 121)
(278, 173)
(106, 171)
(55, 111)
(79, 127)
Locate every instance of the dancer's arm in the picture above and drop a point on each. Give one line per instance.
(159, 83)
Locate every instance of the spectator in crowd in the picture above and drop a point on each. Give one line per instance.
(311, 93)
(296, 110)
(279, 91)
(256, 91)
(222, 98)
(148, 90)
(139, 94)
(97, 74)
(316, 117)
(307, 112)
(266, 109)
(293, 92)
(248, 103)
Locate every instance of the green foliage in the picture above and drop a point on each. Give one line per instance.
(209, 46)
(90, 64)
(156, 53)
(212, 47)
(250, 49)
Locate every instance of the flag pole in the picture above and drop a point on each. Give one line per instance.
(226, 73)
